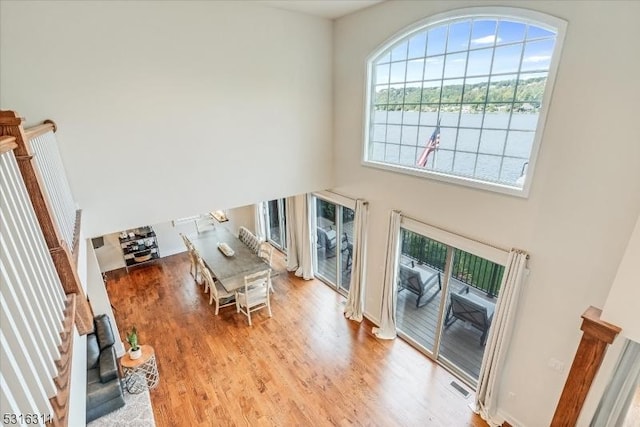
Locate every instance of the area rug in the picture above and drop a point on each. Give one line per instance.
(136, 412)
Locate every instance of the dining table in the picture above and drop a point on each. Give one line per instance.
(229, 270)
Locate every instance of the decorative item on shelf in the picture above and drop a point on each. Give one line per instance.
(132, 338)
(139, 246)
(220, 216)
(142, 256)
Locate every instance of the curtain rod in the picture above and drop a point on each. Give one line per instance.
(469, 238)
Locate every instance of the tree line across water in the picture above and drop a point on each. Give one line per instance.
(528, 94)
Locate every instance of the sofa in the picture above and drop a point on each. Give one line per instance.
(104, 390)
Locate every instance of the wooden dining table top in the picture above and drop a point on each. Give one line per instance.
(228, 270)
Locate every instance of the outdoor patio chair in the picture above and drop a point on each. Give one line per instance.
(470, 308)
(419, 282)
(327, 241)
(348, 248)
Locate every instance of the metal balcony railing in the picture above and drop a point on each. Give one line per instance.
(470, 269)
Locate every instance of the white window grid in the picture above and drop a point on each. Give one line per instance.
(419, 132)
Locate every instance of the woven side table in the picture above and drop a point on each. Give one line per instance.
(140, 374)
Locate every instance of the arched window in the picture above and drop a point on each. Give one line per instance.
(462, 98)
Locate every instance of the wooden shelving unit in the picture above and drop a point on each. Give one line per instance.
(139, 246)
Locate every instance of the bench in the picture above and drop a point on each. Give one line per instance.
(470, 308)
(419, 282)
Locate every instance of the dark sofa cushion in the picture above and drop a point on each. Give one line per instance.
(104, 331)
(108, 365)
(99, 393)
(93, 351)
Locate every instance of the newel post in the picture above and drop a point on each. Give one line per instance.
(597, 335)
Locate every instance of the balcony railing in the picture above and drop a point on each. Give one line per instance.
(470, 269)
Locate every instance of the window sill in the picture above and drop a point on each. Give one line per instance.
(451, 179)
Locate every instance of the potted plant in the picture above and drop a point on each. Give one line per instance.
(132, 338)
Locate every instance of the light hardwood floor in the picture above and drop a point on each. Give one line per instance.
(307, 365)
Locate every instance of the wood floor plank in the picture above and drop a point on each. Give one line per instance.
(307, 365)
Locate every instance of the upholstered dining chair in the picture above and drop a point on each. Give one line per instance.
(255, 294)
(249, 239)
(217, 292)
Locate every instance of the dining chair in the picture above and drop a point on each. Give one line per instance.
(202, 267)
(217, 292)
(204, 223)
(193, 259)
(255, 294)
(249, 239)
(266, 254)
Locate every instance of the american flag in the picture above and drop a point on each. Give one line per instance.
(432, 145)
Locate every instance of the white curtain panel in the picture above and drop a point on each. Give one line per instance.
(499, 337)
(387, 329)
(355, 300)
(260, 225)
(290, 226)
(299, 243)
(617, 397)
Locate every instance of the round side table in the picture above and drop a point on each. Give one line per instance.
(140, 374)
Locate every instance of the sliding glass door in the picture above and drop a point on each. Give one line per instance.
(446, 301)
(275, 220)
(334, 243)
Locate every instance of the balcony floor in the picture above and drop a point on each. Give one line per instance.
(459, 343)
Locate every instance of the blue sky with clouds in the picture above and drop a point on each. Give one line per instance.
(443, 48)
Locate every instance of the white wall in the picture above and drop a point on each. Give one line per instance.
(97, 293)
(82, 263)
(78, 382)
(584, 198)
(163, 107)
(617, 309)
(241, 217)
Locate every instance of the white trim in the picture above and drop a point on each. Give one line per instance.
(185, 220)
(336, 198)
(483, 250)
(373, 319)
(540, 19)
(506, 417)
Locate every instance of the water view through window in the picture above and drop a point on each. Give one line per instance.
(461, 99)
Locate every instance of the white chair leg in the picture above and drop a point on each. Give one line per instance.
(249, 315)
(211, 298)
(217, 307)
(269, 306)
